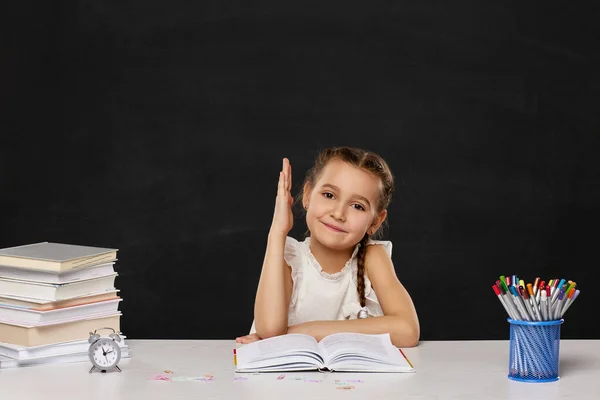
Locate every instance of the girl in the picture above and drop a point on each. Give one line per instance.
(338, 276)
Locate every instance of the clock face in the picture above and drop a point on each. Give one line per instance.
(104, 353)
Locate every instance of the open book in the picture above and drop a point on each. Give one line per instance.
(354, 352)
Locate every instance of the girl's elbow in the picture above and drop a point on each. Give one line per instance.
(413, 341)
(406, 337)
(270, 331)
(414, 336)
(406, 340)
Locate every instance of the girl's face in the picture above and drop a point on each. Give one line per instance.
(342, 206)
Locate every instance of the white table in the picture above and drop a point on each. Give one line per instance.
(445, 370)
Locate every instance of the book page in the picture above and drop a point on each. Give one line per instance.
(279, 350)
(358, 347)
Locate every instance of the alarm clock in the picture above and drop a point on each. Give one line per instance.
(104, 352)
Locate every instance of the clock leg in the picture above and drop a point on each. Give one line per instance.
(117, 367)
(91, 369)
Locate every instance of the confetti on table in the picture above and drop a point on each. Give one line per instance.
(345, 387)
(168, 377)
(297, 378)
(313, 380)
(280, 377)
(160, 377)
(240, 378)
(203, 378)
(356, 380)
(168, 371)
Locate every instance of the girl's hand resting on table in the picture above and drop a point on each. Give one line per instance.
(248, 338)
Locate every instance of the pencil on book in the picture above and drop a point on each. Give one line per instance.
(406, 358)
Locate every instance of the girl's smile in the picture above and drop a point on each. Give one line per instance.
(334, 228)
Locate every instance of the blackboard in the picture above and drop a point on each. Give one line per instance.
(158, 128)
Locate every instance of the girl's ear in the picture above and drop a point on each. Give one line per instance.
(377, 221)
(306, 195)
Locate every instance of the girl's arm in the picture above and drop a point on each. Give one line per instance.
(400, 317)
(275, 284)
(274, 290)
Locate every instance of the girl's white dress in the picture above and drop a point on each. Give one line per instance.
(319, 296)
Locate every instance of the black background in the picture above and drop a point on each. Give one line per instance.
(158, 128)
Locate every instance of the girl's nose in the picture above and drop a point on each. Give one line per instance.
(338, 213)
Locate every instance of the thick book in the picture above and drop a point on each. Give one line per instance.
(57, 333)
(55, 292)
(339, 352)
(26, 317)
(6, 362)
(25, 353)
(73, 275)
(43, 305)
(57, 257)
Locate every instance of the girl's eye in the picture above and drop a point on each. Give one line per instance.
(328, 195)
(358, 207)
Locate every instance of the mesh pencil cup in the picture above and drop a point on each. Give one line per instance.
(534, 348)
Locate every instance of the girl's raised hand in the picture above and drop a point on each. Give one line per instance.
(283, 218)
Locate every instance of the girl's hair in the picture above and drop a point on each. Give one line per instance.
(369, 162)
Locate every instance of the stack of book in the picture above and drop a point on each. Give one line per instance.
(52, 296)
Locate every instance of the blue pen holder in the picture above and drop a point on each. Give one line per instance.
(534, 349)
